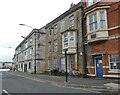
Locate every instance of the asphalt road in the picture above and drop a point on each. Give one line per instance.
(16, 84)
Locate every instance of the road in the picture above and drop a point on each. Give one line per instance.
(16, 84)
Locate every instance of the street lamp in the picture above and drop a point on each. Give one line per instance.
(35, 43)
(66, 64)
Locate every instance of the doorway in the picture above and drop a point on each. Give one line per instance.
(99, 66)
(25, 67)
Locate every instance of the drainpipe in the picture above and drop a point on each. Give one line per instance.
(84, 47)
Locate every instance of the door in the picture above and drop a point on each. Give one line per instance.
(99, 67)
(25, 67)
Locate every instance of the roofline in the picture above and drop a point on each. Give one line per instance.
(32, 32)
(69, 11)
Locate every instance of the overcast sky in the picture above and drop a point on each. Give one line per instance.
(35, 13)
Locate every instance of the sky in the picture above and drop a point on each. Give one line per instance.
(35, 13)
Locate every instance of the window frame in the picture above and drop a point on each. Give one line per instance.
(71, 21)
(113, 62)
(65, 40)
(55, 29)
(62, 25)
(98, 21)
(90, 2)
(72, 40)
(55, 45)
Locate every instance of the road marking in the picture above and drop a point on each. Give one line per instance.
(5, 92)
(4, 69)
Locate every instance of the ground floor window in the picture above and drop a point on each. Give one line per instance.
(114, 62)
(63, 64)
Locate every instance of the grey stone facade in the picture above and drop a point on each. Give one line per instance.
(29, 54)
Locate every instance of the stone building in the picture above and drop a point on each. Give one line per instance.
(29, 54)
(65, 32)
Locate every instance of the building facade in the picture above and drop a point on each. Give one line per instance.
(65, 32)
(29, 54)
(102, 21)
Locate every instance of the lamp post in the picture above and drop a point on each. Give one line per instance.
(66, 64)
(35, 43)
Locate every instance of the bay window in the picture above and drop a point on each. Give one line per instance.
(97, 21)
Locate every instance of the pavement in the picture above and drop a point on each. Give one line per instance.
(101, 84)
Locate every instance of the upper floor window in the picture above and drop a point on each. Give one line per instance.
(55, 46)
(26, 44)
(97, 21)
(102, 19)
(30, 39)
(93, 22)
(89, 2)
(50, 32)
(114, 62)
(62, 25)
(30, 50)
(71, 18)
(71, 39)
(49, 47)
(65, 39)
(55, 29)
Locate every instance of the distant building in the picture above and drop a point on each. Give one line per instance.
(29, 54)
(7, 65)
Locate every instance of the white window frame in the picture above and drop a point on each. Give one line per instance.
(89, 2)
(114, 63)
(55, 46)
(71, 19)
(98, 21)
(65, 40)
(63, 63)
(72, 39)
(55, 29)
(93, 22)
(62, 25)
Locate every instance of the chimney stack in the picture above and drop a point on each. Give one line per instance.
(72, 5)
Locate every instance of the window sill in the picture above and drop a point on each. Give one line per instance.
(114, 71)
